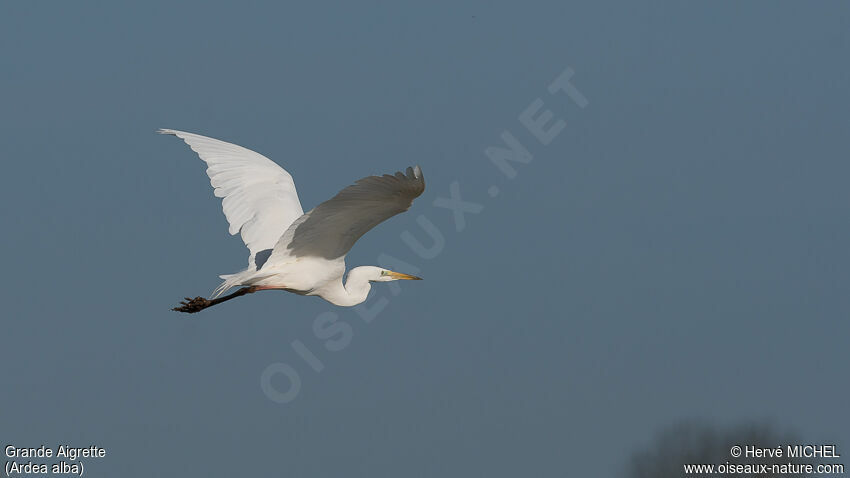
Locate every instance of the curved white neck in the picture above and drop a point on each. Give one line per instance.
(353, 292)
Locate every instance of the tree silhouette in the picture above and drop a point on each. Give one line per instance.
(696, 442)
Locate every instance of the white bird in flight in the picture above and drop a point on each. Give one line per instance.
(291, 250)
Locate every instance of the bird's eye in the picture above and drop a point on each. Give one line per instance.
(385, 273)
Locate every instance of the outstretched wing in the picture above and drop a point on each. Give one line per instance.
(258, 196)
(331, 228)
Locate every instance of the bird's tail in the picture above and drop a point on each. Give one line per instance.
(247, 277)
(230, 281)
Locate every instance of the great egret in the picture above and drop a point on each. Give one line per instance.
(291, 250)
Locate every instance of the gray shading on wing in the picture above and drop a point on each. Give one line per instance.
(330, 229)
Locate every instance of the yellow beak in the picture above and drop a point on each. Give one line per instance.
(400, 276)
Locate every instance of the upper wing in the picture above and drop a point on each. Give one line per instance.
(332, 228)
(259, 196)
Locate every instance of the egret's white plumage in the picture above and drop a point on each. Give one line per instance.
(258, 196)
(291, 250)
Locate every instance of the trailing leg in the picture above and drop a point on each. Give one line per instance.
(198, 304)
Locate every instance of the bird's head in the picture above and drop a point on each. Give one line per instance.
(387, 275)
(378, 274)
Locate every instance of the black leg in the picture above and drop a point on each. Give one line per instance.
(198, 304)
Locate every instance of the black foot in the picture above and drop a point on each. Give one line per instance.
(191, 306)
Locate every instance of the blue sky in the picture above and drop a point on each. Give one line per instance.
(678, 251)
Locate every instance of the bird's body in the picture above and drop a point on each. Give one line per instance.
(305, 276)
(291, 250)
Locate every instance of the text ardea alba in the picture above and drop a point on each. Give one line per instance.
(291, 250)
